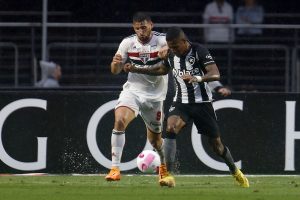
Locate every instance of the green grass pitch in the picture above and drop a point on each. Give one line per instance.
(146, 187)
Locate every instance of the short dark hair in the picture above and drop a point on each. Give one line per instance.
(140, 16)
(174, 33)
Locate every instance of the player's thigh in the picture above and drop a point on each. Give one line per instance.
(205, 120)
(129, 100)
(127, 108)
(152, 115)
(123, 116)
(178, 116)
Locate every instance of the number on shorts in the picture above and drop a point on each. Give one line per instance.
(158, 115)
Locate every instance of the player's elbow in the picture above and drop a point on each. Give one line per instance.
(163, 70)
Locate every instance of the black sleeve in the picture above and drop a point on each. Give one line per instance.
(166, 63)
(204, 56)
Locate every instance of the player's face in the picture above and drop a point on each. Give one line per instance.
(178, 46)
(143, 30)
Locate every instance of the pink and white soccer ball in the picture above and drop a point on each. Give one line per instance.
(148, 161)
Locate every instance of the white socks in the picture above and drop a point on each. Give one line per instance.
(117, 145)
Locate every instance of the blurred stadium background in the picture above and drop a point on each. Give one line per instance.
(82, 36)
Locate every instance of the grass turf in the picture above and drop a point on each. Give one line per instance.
(146, 187)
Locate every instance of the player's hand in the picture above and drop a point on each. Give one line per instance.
(128, 67)
(116, 64)
(224, 91)
(117, 59)
(163, 52)
(189, 78)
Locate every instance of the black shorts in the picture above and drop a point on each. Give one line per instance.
(203, 115)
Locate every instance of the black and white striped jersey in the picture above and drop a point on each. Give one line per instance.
(194, 63)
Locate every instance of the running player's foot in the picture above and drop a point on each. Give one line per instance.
(114, 174)
(241, 178)
(165, 179)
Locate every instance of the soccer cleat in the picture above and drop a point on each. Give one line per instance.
(241, 178)
(165, 179)
(114, 174)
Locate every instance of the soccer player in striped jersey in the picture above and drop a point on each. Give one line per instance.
(142, 94)
(193, 67)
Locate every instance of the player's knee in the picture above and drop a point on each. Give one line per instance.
(217, 146)
(120, 123)
(218, 149)
(172, 129)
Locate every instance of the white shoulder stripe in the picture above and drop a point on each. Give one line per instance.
(209, 62)
(158, 33)
(130, 36)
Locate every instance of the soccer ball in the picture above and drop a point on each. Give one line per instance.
(148, 161)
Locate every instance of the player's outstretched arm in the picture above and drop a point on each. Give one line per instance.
(212, 74)
(218, 87)
(153, 70)
(116, 64)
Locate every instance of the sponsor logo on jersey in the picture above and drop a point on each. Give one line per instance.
(177, 72)
(208, 56)
(171, 108)
(191, 60)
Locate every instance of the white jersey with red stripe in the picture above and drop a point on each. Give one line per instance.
(153, 88)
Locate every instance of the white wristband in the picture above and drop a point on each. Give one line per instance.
(199, 78)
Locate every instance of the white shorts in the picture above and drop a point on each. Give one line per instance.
(151, 112)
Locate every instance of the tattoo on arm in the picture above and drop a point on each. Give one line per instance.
(154, 70)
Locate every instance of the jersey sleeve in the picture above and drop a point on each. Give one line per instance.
(123, 50)
(215, 85)
(204, 56)
(162, 40)
(167, 62)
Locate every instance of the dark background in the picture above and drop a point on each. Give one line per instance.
(121, 11)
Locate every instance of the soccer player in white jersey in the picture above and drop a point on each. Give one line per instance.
(193, 67)
(142, 94)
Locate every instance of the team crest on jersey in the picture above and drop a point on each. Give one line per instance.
(144, 57)
(208, 56)
(191, 60)
(171, 108)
